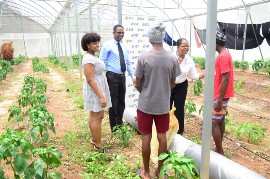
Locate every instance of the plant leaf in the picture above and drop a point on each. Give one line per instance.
(39, 166)
(20, 163)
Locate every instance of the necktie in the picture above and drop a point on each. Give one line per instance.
(122, 59)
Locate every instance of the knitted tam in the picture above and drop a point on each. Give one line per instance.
(156, 33)
(221, 37)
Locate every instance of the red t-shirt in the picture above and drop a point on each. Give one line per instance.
(223, 64)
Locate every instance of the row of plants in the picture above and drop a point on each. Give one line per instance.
(6, 66)
(252, 133)
(37, 66)
(25, 150)
(257, 65)
(56, 61)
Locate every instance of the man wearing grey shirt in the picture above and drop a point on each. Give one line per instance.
(155, 74)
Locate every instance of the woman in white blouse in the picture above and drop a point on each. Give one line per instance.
(179, 92)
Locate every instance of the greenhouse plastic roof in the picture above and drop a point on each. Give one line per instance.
(44, 15)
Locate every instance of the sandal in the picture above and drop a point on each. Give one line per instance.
(101, 149)
(93, 142)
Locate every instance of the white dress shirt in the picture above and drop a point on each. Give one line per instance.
(187, 68)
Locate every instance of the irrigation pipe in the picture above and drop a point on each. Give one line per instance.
(220, 166)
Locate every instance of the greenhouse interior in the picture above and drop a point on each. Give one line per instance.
(50, 32)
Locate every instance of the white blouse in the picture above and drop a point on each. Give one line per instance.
(187, 68)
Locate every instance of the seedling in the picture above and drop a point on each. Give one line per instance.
(195, 138)
(123, 133)
(197, 87)
(182, 166)
(239, 86)
(190, 107)
(253, 133)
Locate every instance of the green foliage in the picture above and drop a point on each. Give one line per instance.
(200, 61)
(236, 64)
(244, 65)
(257, 65)
(266, 66)
(195, 138)
(182, 166)
(15, 112)
(40, 121)
(103, 165)
(5, 68)
(49, 157)
(238, 87)
(123, 133)
(19, 59)
(253, 133)
(190, 107)
(75, 59)
(39, 67)
(56, 61)
(16, 150)
(197, 87)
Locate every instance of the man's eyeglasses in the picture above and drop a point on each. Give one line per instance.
(120, 33)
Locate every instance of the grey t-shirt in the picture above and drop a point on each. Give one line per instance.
(156, 69)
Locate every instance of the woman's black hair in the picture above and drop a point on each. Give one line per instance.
(179, 41)
(88, 38)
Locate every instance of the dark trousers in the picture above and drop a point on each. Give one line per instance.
(178, 97)
(117, 86)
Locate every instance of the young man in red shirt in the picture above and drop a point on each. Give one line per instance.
(223, 89)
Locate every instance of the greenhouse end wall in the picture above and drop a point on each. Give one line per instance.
(36, 44)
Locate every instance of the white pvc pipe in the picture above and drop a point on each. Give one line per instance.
(220, 166)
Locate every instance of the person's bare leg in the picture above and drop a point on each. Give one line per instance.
(217, 138)
(221, 125)
(146, 151)
(95, 127)
(162, 140)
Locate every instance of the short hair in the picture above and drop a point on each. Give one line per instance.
(179, 41)
(88, 38)
(116, 26)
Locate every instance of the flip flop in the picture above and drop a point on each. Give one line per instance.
(102, 149)
(93, 142)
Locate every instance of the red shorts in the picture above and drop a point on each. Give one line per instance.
(145, 122)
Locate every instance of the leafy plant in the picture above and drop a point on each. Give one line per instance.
(98, 165)
(123, 133)
(257, 65)
(195, 139)
(40, 121)
(49, 157)
(182, 166)
(190, 107)
(197, 87)
(16, 150)
(253, 133)
(266, 66)
(15, 112)
(238, 87)
(236, 64)
(244, 65)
